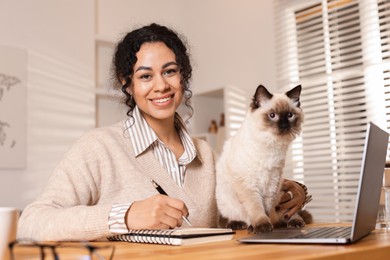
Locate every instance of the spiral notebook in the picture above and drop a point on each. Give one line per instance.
(176, 236)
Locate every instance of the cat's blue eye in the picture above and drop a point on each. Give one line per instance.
(272, 115)
(290, 115)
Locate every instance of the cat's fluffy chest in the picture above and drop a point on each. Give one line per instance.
(255, 150)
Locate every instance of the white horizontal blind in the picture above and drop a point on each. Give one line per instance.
(235, 107)
(60, 109)
(384, 29)
(329, 47)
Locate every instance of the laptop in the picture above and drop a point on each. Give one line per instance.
(367, 203)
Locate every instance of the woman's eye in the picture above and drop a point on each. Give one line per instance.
(272, 115)
(170, 71)
(145, 76)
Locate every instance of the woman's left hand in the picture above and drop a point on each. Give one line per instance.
(293, 198)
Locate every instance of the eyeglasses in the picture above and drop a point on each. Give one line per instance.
(29, 249)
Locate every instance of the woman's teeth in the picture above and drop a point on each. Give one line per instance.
(162, 100)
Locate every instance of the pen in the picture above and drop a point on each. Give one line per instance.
(162, 192)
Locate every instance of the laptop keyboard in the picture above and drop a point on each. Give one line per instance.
(326, 232)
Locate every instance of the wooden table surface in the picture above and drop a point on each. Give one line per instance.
(374, 246)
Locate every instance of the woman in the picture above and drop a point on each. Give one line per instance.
(103, 185)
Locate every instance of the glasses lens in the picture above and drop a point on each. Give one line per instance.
(30, 252)
(62, 252)
(103, 253)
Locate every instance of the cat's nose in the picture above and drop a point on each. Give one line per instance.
(284, 125)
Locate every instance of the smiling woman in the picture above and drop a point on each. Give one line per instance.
(127, 67)
(156, 85)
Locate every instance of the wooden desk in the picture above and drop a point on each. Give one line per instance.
(374, 246)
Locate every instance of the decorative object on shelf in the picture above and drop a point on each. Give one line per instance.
(213, 128)
(222, 120)
(220, 141)
(221, 136)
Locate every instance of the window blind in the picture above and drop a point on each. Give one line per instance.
(338, 50)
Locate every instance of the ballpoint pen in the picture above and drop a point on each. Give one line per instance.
(162, 192)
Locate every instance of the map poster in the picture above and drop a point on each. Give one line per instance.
(13, 107)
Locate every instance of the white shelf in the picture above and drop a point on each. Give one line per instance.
(109, 108)
(208, 137)
(209, 105)
(105, 40)
(109, 92)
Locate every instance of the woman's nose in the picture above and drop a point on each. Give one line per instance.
(161, 83)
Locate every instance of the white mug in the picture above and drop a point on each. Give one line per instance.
(8, 223)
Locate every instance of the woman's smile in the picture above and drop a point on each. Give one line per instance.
(163, 100)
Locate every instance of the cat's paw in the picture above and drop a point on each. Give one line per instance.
(261, 225)
(262, 228)
(295, 223)
(237, 225)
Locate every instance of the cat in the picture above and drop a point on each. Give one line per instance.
(249, 169)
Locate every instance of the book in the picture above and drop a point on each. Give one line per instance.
(176, 236)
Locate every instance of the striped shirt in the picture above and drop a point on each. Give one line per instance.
(143, 137)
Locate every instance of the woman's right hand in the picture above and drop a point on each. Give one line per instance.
(156, 212)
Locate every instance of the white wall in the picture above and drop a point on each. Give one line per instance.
(116, 17)
(58, 36)
(231, 44)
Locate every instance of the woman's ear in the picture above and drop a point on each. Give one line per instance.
(128, 90)
(123, 81)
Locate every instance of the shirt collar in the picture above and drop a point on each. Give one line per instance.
(143, 136)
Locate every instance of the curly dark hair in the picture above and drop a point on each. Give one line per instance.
(125, 58)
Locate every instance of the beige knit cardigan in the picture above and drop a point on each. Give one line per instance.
(100, 170)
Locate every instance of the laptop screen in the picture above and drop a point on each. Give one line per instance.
(371, 178)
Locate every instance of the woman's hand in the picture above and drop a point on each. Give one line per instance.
(156, 212)
(293, 198)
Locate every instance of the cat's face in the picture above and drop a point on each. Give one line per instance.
(279, 113)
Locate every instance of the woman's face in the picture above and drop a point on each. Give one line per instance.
(156, 86)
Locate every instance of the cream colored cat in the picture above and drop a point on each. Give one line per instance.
(250, 168)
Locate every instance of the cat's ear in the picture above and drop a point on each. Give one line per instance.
(261, 95)
(294, 95)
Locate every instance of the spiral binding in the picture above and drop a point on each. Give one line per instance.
(145, 236)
